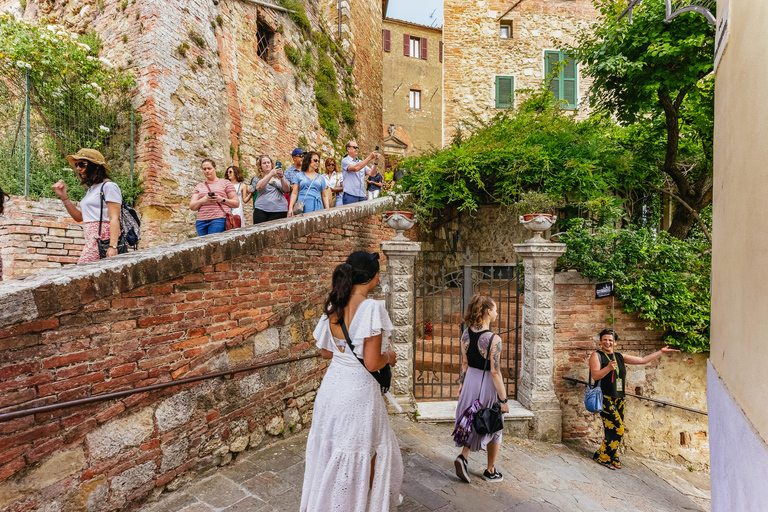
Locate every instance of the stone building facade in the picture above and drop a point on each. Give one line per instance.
(214, 81)
(412, 88)
(494, 48)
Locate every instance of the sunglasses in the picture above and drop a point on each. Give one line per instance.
(331, 165)
(353, 147)
(81, 164)
(315, 161)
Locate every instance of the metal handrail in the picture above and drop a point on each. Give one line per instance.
(120, 394)
(662, 402)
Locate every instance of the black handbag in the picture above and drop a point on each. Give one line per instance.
(103, 245)
(487, 420)
(383, 376)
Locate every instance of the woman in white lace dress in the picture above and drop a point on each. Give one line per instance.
(353, 461)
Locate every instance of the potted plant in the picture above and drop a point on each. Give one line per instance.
(533, 204)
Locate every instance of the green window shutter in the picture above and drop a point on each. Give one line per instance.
(504, 89)
(569, 81)
(551, 60)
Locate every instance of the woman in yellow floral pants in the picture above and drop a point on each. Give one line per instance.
(607, 366)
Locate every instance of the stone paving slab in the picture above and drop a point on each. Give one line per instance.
(538, 477)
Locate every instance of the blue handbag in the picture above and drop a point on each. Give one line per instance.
(593, 397)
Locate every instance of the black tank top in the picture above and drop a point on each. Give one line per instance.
(474, 357)
(608, 384)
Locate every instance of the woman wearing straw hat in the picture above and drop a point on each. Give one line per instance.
(92, 171)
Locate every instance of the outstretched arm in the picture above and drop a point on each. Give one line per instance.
(650, 357)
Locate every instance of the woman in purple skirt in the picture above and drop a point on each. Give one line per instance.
(480, 351)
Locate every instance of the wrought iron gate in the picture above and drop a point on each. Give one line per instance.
(440, 298)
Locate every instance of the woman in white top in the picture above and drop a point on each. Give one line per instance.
(235, 175)
(335, 182)
(353, 461)
(92, 171)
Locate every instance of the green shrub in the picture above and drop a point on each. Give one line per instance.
(657, 276)
(299, 14)
(292, 54)
(348, 113)
(196, 38)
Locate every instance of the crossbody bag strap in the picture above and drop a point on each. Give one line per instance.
(487, 355)
(310, 188)
(101, 209)
(222, 209)
(349, 342)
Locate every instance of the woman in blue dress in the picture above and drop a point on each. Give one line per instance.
(309, 186)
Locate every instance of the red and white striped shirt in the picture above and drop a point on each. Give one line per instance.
(210, 211)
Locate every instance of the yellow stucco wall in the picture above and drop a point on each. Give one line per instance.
(420, 129)
(739, 351)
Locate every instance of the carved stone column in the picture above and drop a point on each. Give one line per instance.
(537, 390)
(401, 256)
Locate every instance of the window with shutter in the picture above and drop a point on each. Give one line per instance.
(386, 35)
(505, 88)
(415, 49)
(562, 74)
(424, 48)
(441, 51)
(406, 45)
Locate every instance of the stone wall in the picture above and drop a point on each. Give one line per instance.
(209, 304)
(220, 99)
(655, 431)
(472, 42)
(35, 235)
(420, 129)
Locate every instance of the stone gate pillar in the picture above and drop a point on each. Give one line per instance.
(537, 390)
(401, 256)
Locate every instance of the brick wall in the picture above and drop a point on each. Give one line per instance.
(659, 432)
(203, 305)
(36, 235)
(221, 99)
(472, 42)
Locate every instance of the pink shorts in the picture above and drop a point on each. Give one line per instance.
(90, 233)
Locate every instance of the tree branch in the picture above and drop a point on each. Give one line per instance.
(688, 207)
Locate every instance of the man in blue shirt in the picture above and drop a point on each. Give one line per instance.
(290, 173)
(354, 172)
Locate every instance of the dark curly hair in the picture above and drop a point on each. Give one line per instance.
(308, 160)
(94, 173)
(608, 331)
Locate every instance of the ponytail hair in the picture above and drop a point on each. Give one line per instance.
(476, 310)
(360, 268)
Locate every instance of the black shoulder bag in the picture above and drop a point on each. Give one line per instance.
(487, 420)
(383, 376)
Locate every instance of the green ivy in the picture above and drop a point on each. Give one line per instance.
(299, 14)
(659, 277)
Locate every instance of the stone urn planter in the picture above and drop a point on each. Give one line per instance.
(400, 221)
(538, 223)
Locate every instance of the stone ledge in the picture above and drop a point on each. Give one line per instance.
(70, 288)
(572, 278)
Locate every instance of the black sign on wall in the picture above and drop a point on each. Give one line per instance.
(604, 289)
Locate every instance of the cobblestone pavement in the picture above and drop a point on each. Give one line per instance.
(537, 477)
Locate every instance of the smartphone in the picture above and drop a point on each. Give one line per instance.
(377, 148)
(278, 164)
(211, 194)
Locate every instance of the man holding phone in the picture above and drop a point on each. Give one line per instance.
(290, 173)
(354, 172)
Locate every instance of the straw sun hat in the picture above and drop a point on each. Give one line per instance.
(91, 155)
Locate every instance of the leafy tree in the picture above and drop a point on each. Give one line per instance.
(658, 76)
(537, 147)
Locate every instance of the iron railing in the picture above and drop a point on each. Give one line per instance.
(154, 387)
(641, 397)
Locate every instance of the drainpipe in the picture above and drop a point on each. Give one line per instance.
(339, 11)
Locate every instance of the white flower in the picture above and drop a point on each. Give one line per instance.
(104, 128)
(96, 86)
(90, 95)
(91, 58)
(84, 46)
(22, 64)
(86, 86)
(105, 62)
